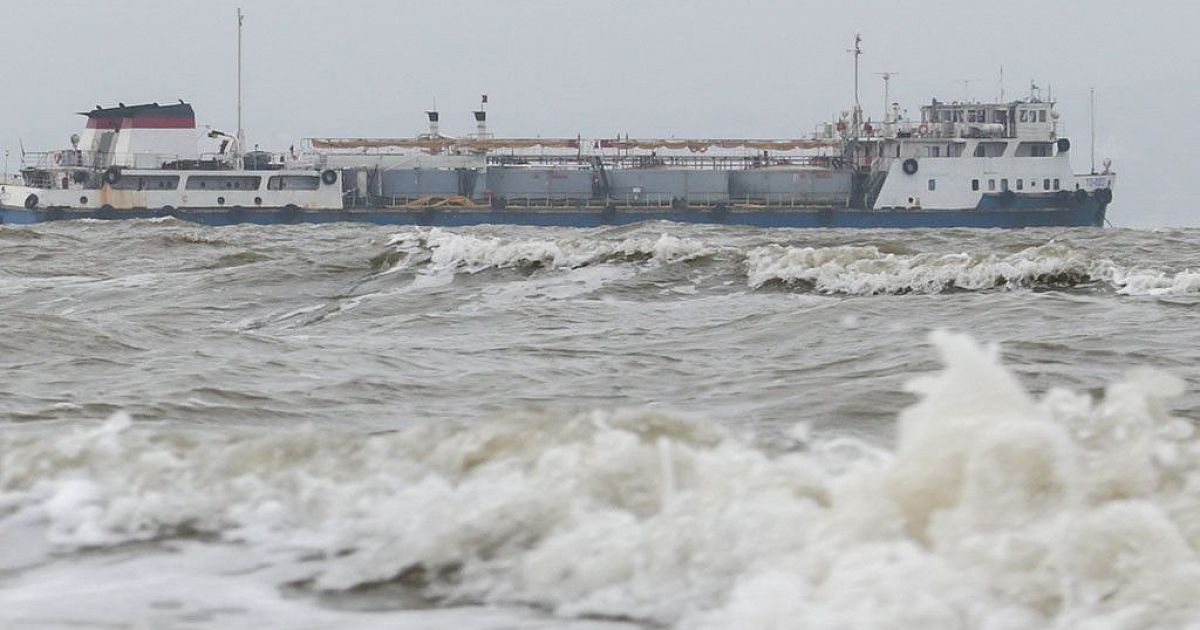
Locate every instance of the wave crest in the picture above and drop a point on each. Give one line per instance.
(860, 270)
(868, 271)
(443, 251)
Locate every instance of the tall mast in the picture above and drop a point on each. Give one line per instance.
(857, 106)
(241, 136)
(1093, 116)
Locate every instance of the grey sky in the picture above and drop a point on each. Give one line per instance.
(661, 68)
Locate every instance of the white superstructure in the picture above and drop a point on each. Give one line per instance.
(970, 155)
(146, 157)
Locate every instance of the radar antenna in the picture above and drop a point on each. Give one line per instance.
(966, 83)
(887, 84)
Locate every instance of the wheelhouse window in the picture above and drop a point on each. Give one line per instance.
(935, 151)
(1032, 115)
(974, 184)
(1035, 149)
(293, 182)
(990, 149)
(933, 184)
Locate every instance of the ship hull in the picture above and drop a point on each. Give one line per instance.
(1088, 213)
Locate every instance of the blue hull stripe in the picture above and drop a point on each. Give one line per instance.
(1088, 213)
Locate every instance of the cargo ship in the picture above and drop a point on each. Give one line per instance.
(999, 164)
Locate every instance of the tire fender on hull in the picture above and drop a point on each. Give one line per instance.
(112, 175)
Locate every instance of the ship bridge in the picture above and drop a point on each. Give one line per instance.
(1031, 119)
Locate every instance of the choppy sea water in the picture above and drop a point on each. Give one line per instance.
(638, 427)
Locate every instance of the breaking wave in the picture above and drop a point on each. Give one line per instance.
(448, 251)
(828, 269)
(865, 270)
(994, 509)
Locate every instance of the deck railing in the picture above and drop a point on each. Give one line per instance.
(699, 162)
(651, 200)
(100, 160)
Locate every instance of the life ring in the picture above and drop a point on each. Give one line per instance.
(910, 166)
(1063, 145)
(112, 175)
(329, 177)
(31, 202)
(923, 129)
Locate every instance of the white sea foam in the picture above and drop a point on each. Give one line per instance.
(866, 270)
(449, 252)
(993, 510)
(1156, 282)
(437, 255)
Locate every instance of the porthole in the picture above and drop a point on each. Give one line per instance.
(258, 201)
(220, 201)
(83, 200)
